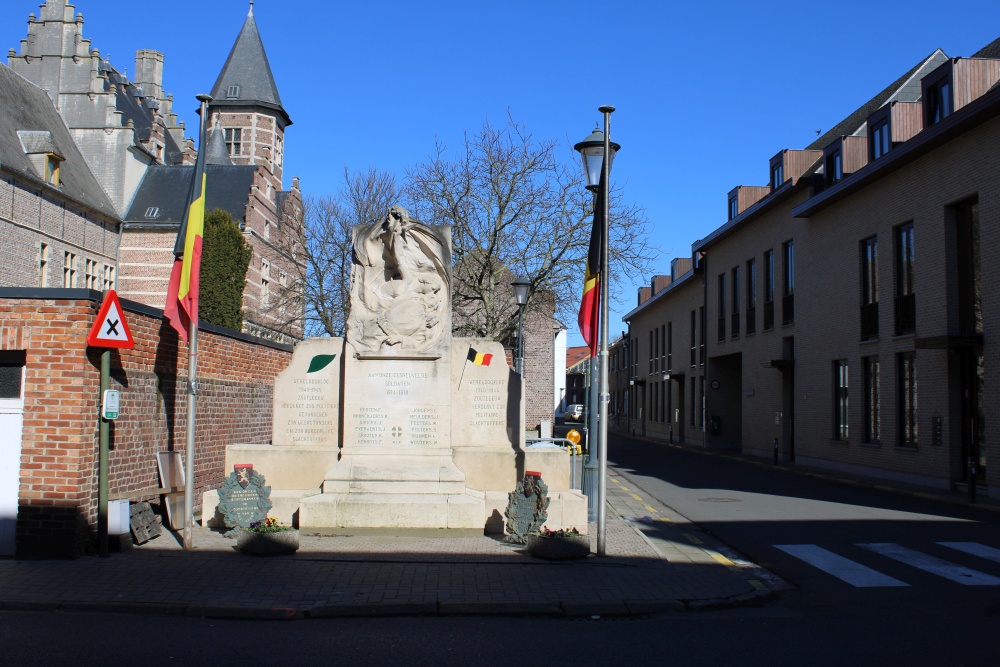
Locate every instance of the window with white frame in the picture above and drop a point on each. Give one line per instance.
(69, 269)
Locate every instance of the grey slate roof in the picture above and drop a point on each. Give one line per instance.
(991, 50)
(850, 125)
(134, 106)
(216, 152)
(25, 107)
(166, 188)
(248, 69)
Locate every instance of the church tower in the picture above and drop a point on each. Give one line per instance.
(246, 105)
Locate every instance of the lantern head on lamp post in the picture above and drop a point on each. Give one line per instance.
(591, 151)
(522, 286)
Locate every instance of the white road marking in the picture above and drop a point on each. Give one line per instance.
(938, 566)
(844, 569)
(975, 549)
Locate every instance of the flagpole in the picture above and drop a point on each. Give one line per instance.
(192, 383)
(602, 425)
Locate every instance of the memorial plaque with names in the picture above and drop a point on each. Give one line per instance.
(485, 395)
(245, 498)
(307, 395)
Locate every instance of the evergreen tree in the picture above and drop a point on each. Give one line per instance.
(225, 258)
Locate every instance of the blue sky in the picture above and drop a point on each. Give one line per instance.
(706, 92)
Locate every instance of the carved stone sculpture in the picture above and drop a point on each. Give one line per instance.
(400, 287)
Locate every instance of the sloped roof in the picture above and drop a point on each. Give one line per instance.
(134, 106)
(991, 50)
(28, 109)
(855, 120)
(166, 188)
(247, 73)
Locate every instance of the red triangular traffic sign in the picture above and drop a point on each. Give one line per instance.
(110, 328)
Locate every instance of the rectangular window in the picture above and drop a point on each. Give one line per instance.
(735, 306)
(265, 282)
(234, 140)
(652, 360)
(701, 402)
(733, 208)
(694, 339)
(69, 270)
(777, 176)
(788, 300)
(906, 303)
(751, 324)
(43, 266)
(694, 402)
(834, 167)
(869, 288)
(670, 346)
(92, 280)
(722, 306)
(109, 278)
(879, 140)
(52, 170)
(840, 414)
(937, 101)
(906, 384)
(703, 337)
(873, 423)
(279, 150)
(769, 289)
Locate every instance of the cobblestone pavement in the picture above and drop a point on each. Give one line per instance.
(655, 562)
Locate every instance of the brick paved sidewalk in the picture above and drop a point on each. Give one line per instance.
(651, 566)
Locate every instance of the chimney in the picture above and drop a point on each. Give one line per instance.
(149, 73)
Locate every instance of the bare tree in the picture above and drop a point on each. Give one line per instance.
(514, 209)
(322, 247)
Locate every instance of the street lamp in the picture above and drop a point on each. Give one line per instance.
(594, 149)
(521, 288)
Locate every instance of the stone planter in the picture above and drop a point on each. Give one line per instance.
(268, 544)
(559, 548)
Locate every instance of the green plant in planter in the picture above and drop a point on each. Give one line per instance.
(270, 525)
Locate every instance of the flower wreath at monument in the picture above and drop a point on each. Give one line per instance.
(234, 511)
(527, 508)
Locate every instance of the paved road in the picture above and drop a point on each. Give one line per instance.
(834, 544)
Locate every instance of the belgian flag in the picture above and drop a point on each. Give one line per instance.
(590, 305)
(181, 308)
(479, 358)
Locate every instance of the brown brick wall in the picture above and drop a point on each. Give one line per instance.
(58, 494)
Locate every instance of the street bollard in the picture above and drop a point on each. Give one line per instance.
(775, 451)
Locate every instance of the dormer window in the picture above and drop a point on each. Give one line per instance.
(52, 169)
(936, 89)
(834, 167)
(733, 207)
(233, 92)
(152, 212)
(879, 141)
(777, 175)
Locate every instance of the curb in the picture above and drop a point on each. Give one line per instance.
(610, 608)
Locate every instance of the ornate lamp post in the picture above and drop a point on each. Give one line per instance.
(521, 288)
(593, 150)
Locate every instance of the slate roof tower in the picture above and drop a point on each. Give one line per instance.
(246, 104)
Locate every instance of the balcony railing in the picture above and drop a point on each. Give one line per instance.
(722, 328)
(751, 320)
(768, 315)
(788, 309)
(906, 313)
(869, 321)
(734, 325)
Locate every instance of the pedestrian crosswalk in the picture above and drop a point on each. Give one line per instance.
(862, 576)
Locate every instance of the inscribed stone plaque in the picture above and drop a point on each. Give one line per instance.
(307, 395)
(244, 498)
(527, 508)
(485, 395)
(402, 402)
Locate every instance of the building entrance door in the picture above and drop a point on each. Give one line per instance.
(973, 434)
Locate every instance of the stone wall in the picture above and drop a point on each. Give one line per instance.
(57, 514)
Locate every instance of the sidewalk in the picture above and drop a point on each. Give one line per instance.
(655, 562)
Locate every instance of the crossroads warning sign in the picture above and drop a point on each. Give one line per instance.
(110, 328)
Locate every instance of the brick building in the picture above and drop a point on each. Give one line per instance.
(895, 205)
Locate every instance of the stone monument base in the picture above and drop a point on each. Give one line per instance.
(393, 510)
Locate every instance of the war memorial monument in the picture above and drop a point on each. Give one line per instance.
(401, 425)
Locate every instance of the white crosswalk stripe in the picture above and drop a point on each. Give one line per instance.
(934, 565)
(862, 576)
(975, 549)
(847, 570)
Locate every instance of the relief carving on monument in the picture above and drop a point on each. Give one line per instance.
(400, 288)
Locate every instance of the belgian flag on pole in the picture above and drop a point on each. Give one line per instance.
(590, 305)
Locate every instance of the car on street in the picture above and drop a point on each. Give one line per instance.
(574, 412)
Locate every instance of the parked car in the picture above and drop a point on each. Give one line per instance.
(574, 412)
